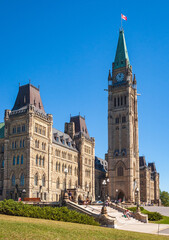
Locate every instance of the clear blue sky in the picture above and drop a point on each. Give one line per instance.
(67, 47)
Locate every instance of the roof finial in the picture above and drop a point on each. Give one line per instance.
(109, 77)
(29, 81)
(79, 113)
(39, 87)
(19, 85)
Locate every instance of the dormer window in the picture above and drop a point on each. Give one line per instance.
(63, 141)
(24, 99)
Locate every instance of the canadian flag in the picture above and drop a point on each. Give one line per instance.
(123, 17)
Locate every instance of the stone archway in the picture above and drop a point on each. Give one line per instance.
(121, 196)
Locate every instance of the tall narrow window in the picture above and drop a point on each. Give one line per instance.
(17, 160)
(22, 159)
(43, 161)
(125, 100)
(40, 161)
(14, 160)
(23, 143)
(43, 180)
(121, 100)
(22, 180)
(36, 160)
(120, 171)
(13, 180)
(36, 179)
(117, 120)
(114, 102)
(123, 119)
(118, 101)
(20, 143)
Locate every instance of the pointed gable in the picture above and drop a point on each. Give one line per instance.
(28, 94)
(121, 57)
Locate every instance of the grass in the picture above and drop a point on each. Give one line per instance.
(12, 228)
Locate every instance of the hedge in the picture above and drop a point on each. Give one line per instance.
(10, 207)
(152, 216)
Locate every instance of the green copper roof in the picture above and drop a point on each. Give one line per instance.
(121, 52)
(2, 126)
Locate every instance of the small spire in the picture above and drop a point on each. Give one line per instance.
(19, 84)
(134, 80)
(29, 81)
(39, 87)
(109, 77)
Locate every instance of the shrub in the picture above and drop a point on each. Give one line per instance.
(154, 216)
(10, 207)
(133, 209)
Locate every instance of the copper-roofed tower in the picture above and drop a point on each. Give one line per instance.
(123, 152)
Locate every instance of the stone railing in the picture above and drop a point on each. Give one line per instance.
(137, 215)
(103, 219)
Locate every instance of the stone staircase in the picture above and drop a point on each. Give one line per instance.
(113, 215)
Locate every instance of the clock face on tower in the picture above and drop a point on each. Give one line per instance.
(119, 77)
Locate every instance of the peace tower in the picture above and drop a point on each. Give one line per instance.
(123, 150)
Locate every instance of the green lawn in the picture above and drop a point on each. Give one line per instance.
(29, 228)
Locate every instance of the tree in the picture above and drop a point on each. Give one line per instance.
(164, 196)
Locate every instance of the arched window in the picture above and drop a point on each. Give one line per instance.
(123, 119)
(76, 185)
(43, 161)
(22, 159)
(63, 167)
(3, 163)
(59, 167)
(23, 143)
(13, 180)
(39, 160)
(75, 171)
(58, 183)
(22, 180)
(20, 143)
(56, 166)
(36, 179)
(36, 160)
(114, 102)
(43, 180)
(120, 171)
(17, 160)
(13, 160)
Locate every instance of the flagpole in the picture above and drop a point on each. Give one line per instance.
(121, 23)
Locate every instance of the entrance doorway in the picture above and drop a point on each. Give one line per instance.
(121, 196)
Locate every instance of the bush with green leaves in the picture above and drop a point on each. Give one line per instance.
(152, 216)
(10, 207)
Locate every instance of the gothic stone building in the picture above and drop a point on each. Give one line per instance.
(123, 149)
(34, 155)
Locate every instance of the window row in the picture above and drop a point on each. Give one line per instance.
(58, 168)
(37, 180)
(88, 161)
(87, 149)
(87, 173)
(65, 155)
(118, 120)
(118, 101)
(37, 144)
(18, 129)
(21, 144)
(22, 181)
(69, 184)
(40, 161)
(40, 129)
(17, 160)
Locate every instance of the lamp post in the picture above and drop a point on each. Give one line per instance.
(138, 208)
(87, 188)
(116, 195)
(24, 192)
(104, 209)
(108, 180)
(65, 194)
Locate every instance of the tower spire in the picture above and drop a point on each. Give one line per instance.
(121, 58)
